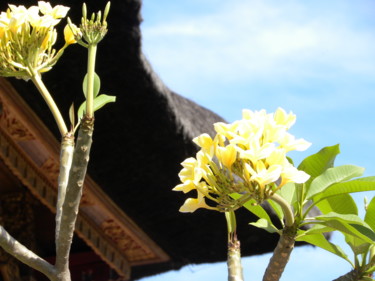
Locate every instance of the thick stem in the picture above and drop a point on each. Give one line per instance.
(234, 249)
(280, 255)
(66, 157)
(357, 274)
(20, 252)
(73, 196)
(90, 80)
(50, 102)
(350, 276)
(234, 260)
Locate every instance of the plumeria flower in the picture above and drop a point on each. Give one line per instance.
(263, 175)
(255, 151)
(292, 174)
(257, 116)
(247, 133)
(277, 157)
(226, 130)
(56, 12)
(70, 33)
(289, 142)
(191, 171)
(206, 143)
(27, 37)
(185, 187)
(227, 155)
(246, 157)
(284, 119)
(192, 204)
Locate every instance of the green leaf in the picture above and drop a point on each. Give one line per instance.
(348, 224)
(357, 185)
(255, 208)
(266, 225)
(71, 115)
(316, 164)
(320, 241)
(369, 271)
(99, 102)
(370, 214)
(317, 229)
(288, 192)
(331, 176)
(96, 85)
(357, 245)
(102, 100)
(277, 209)
(342, 204)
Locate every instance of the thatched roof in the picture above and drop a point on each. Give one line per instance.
(140, 141)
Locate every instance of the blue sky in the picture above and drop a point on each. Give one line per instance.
(315, 58)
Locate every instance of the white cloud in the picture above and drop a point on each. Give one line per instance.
(260, 39)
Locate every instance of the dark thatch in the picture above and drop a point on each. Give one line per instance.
(141, 140)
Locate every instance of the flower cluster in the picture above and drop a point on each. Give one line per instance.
(247, 157)
(27, 36)
(92, 30)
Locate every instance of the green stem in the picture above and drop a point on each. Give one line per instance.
(72, 198)
(287, 209)
(66, 156)
(37, 80)
(234, 250)
(90, 80)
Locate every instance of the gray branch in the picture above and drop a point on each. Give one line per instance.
(72, 198)
(23, 254)
(66, 156)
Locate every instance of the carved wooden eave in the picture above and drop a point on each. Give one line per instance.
(32, 154)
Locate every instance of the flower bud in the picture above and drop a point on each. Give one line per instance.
(71, 31)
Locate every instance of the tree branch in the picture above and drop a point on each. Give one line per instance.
(73, 196)
(66, 156)
(23, 254)
(280, 255)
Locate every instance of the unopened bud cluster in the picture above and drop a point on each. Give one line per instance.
(92, 30)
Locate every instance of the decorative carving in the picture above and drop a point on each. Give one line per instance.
(112, 255)
(86, 199)
(13, 126)
(134, 251)
(51, 169)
